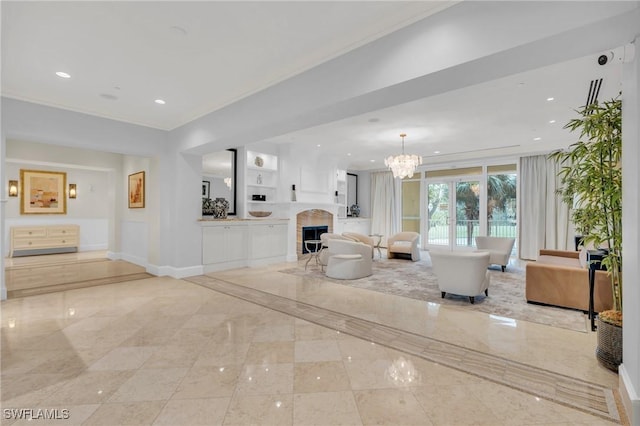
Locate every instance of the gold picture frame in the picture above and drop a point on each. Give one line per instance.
(136, 190)
(43, 192)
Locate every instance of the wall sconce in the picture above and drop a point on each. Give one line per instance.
(13, 188)
(72, 190)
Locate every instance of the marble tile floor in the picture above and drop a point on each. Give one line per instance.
(165, 351)
(32, 275)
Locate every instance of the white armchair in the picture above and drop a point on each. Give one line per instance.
(499, 249)
(361, 238)
(461, 273)
(404, 243)
(323, 257)
(348, 260)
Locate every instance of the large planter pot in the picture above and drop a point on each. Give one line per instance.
(609, 349)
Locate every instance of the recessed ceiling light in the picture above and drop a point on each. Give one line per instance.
(436, 152)
(537, 138)
(552, 121)
(318, 145)
(160, 101)
(373, 161)
(549, 99)
(62, 74)
(108, 96)
(348, 154)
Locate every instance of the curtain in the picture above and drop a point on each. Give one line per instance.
(384, 212)
(544, 219)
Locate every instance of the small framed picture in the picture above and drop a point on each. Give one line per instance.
(136, 190)
(206, 189)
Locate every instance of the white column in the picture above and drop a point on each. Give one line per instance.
(3, 198)
(629, 373)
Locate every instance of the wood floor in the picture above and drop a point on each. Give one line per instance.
(32, 275)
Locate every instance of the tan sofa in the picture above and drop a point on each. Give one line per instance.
(557, 278)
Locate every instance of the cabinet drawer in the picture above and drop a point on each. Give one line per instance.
(29, 243)
(62, 232)
(29, 232)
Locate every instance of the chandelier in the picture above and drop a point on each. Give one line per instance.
(403, 165)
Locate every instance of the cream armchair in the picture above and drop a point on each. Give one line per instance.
(323, 257)
(361, 238)
(348, 260)
(461, 273)
(404, 243)
(499, 249)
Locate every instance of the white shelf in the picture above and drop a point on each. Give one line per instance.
(261, 202)
(262, 169)
(255, 185)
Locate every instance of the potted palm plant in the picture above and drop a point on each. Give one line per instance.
(591, 179)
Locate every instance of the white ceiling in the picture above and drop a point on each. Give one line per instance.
(508, 116)
(197, 56)
(201, 56)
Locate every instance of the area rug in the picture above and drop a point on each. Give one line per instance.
(416, 280)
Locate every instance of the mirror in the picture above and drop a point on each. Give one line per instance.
(219, 177)
(352, 191)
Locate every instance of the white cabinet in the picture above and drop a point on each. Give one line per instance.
(268, 240)
(361, 225)
(230, 244)
(224, 243)
(44, 239)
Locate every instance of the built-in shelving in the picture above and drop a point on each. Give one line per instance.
(341, 185)
(261, 180)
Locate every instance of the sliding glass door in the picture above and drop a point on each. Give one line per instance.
(467, 203)
(459, 204)
(453, 213)
(438, 215)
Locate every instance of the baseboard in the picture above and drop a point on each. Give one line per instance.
(134, 259)
(173, 272)
(113, 255)
(93, 247)
(629, 396)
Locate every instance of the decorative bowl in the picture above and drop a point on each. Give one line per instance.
(258, 213)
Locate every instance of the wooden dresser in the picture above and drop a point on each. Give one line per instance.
(44, 239)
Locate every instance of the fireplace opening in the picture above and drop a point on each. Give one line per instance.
(312, 233)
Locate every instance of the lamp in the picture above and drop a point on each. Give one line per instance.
(403, 165)
(13, 188)
(72, 190)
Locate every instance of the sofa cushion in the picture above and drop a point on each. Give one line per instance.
(557, 260)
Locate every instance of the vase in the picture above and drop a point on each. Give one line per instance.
(220, 208)
(355, 210)
(609, 348)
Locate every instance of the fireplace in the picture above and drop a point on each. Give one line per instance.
(316, 222)
(312, 233)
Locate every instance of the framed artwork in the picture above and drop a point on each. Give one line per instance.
(206, 189)
(136, 190)
(43, 192)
